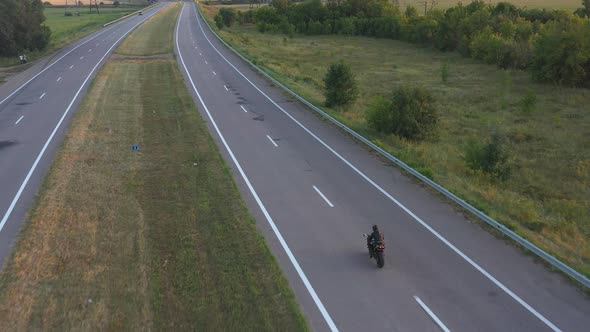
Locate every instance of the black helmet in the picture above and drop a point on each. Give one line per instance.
(375, 228)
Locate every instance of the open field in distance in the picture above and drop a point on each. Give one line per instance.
(549, 4)
(155, 239)
(546, 198)
(66, 29)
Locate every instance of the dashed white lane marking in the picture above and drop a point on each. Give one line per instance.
(393, 199)
(17, 121)
(57, 126)
(58, 79)
(72, 66)
(323, 196)
(43, 95)
(206, 62)
(90, 50)
(51, 65)
(267, 216)
(226, 89)
(200, 53)
(432, 315)
(82, 57)
(243, 109)
(214, 74)
(272, 141)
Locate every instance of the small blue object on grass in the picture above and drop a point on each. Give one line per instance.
(135, 147)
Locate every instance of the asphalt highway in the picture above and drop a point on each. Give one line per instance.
(314, 191)
(35, 109)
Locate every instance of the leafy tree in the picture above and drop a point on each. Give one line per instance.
(116, 3)
(228, 16)
(562, 52)
(21, 27)
(219, 21)
(281, 6)
(340, 85)
(409, 113)
(506, 8)
(267, 15)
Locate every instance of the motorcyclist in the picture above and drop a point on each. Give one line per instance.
(374, 239)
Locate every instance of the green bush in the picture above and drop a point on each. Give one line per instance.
(410, 113)
(340, 85)
(490, 157)
(562, 52)
(444, 72)
(529, 102)
(219, 21)
(228, 16)
(345, 26)
(315, 28)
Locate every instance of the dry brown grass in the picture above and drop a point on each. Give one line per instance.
(155, 239)
(67, 269)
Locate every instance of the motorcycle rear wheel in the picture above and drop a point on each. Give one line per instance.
(380, 259)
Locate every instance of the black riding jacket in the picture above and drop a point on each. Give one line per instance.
(375, 236)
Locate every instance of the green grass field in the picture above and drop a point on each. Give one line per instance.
(549, 4)
(546, 199)
(150, 240)
(66, 29)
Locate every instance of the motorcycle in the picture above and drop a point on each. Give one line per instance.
(376, 250)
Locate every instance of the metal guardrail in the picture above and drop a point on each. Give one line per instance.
(569, 271)
(128, 15)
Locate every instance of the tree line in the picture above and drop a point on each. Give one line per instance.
(21, 27)
(553, 44)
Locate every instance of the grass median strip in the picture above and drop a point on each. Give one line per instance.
(156, 238)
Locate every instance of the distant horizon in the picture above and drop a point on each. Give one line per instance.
(86, 2)
(63, 2)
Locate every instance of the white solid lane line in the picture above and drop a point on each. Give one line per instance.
(226, 89)
(267, 216)
(243, 109)
(57, 126)
(58, 79)
(389, 196)
(17, 121)
(43, 95)
(272, 141)
(323, 196)
(432, 315)
(51, 65)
